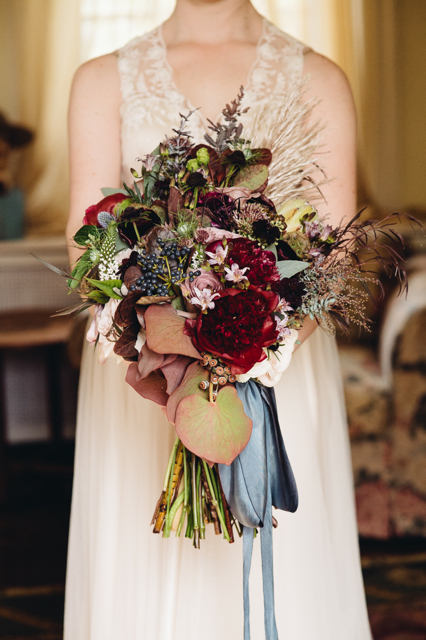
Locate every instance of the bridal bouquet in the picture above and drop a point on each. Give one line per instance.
(201, 282)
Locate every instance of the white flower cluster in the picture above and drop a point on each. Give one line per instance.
(108, 264)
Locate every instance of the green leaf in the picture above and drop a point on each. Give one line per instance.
(120, 244)
(273, 248)
(289, 268)
(177, 303)
(98, 296)
(81, 268)
(138, 191)
(107, 287)
(164, 330)
(161, 213)
(83, 233)
(216, 431)
(109, 191)
(251, 177)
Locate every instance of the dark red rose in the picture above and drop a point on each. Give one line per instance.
(238, 327)
(246, 253)
(106, 204)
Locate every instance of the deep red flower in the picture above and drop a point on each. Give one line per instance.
(246, 253)
(238, 327)
(106, 204)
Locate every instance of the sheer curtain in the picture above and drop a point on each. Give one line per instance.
(43, 43)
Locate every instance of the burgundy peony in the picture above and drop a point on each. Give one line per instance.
(262, 264)
(238, 328)
(106, 204)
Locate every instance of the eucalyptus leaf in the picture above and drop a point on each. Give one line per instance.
(273, 248)
(289, 268)
(110, 191)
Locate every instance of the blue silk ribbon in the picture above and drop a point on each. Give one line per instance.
(259, 478)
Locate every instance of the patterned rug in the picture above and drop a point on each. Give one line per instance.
(33, 542)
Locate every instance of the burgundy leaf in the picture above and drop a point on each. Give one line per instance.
(125, 345)
(131, 275)
(125, 314)
(148, 361)
(175, 371)
(152, 388)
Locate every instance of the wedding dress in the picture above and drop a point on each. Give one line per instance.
(123, 582)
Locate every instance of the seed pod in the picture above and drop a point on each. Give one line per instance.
(205, 361)
(222, 380)
(219, 371)
(227, 370)
(213, 362)
(214, 378)
(204, 385)
(232, 378)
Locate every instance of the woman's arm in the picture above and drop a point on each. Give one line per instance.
(94, 138)
(336, 111)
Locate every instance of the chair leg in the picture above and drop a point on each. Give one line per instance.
(3, 469)
(53, 366)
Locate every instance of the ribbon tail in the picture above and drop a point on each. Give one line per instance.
(271, 632)
(248, 536)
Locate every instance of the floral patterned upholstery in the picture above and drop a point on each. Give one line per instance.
(387, 424)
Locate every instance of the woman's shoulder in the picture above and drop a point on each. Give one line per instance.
(326, 77)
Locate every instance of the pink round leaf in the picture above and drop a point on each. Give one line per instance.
(164, 332)
(216, 431)
(190, 385)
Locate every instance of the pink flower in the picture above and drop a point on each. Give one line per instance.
(210, 234)
(218, 256)
(235, 274)
(204, 298)
(206, 280)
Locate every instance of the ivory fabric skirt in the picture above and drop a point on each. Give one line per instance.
(124, 583)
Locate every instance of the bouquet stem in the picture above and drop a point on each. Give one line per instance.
(192, 485)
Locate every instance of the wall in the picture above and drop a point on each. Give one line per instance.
(411, 46)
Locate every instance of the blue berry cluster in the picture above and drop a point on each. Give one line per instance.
(161, 271)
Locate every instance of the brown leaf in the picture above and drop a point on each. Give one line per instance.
(175, 202)
(131, 275)
(152, 388)
(125, 314)
(265, 156)
(148, 361)
(125, 345)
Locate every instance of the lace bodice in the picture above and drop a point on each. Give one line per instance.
(151, 101)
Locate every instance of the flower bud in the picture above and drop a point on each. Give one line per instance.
(293, 211)
(203, 156)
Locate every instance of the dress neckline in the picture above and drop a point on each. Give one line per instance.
(183, 98)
